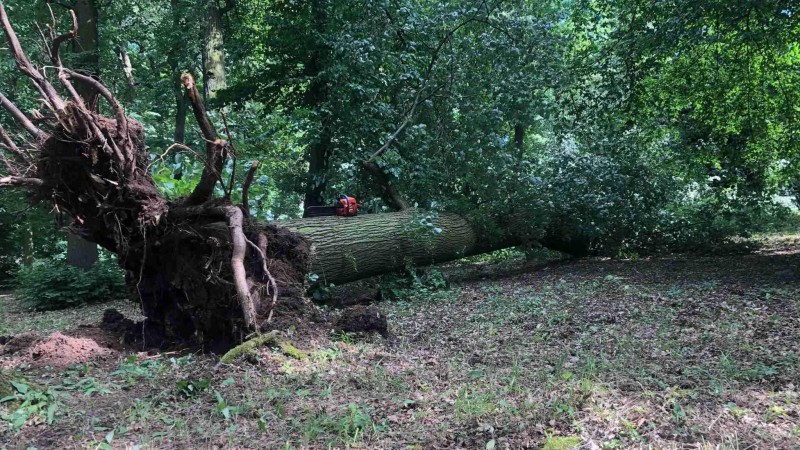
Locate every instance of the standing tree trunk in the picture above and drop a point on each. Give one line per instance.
(86, 46)
(173, 60)
(28, 250)
(127, 69)
(80, 252)
(213, 52)
(319, 149)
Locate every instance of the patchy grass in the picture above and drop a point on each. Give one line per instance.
(673, 352)
(16, 319)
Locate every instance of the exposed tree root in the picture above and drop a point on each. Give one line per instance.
(192, 271)
(239, 243)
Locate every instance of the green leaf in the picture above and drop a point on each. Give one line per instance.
(22, 388)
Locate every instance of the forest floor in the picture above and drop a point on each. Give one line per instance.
(668, 352)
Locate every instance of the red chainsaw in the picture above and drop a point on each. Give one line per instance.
(345, 206)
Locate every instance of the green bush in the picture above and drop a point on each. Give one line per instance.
(52, 284)
(415, 281)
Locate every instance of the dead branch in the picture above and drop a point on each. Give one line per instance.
(21, 181)
(23, 63)
(216, 148)
(22, 118)
(248, 180)
(55, 48)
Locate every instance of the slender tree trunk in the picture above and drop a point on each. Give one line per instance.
(519, 139)
(87, 46)
(213, 52)
(319, 150)
(180, 110)
(174, 63)
(82, 253)
(127, 69)
(28, 252)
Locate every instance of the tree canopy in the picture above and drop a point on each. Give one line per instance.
(609, 126)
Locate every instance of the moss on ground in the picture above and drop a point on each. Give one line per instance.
(269, 339)
(562, 443)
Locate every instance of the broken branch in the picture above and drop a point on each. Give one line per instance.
(20, 181)
(22, 118)
(25, 66)
(248, 180)
(215, 147)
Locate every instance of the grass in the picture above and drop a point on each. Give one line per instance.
(15, 319)
(673, 352)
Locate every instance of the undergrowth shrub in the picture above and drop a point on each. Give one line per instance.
(414, 282)
(52, 284)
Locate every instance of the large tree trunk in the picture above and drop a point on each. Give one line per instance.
(345, 249)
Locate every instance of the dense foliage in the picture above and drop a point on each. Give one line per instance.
(52, 284)
(608, 127)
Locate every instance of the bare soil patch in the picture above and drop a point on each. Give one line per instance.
(57, 350)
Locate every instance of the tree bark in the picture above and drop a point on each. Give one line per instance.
(319, 150)
(87, 45)
(127, 69)
(80, 252)
(213, 52)
(345, 249)
(180, 110)
(173, 59)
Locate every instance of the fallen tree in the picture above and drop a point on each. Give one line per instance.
(201, 268)
(344, 249)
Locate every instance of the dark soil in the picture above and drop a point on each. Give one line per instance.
(362, 319)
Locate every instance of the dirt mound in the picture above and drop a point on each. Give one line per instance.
(362, 319)
(353, 294)
(19, 342)
(57, 350)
